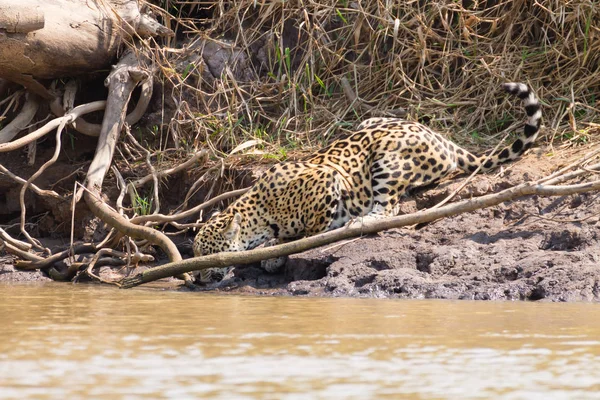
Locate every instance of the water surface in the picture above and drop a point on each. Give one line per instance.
(87, 341)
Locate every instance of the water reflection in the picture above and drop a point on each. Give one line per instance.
(63, 341)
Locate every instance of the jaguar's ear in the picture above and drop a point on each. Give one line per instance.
(213, 212)
(234, 227)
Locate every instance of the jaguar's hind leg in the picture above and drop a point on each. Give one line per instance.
(418, 163)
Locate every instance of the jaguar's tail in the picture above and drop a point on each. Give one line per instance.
(533, 108)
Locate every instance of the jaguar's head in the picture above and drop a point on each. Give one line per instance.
(220, 233)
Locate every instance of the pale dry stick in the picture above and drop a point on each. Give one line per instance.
(571, 175)
(128, 243)
(153, 174)
(592, 171)
(225, 259)
(170, 171)
(13, 100)
(574, 164)
(160, 218)
(119, 204)
(554, 219)
(75, 172)
(73, 204)
(15, 242)
(35, 188)
(21, 121)
(112, 234)
(338, 245)
(556, 123)
(155, 180)
(176, 120)
(48, 127)
(182, 227)
(365, 108)
(164, 152)
(123, 187)
(141, 150)
(572, 121)
(124, 148)
(209, 194)
(33, 177)
(18, 252)
(156, 185)
(195, 186)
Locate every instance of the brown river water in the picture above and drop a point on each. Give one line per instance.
(65, 341)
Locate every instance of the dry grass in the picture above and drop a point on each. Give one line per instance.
(280, 91)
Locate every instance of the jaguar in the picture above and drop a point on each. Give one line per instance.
(363, 175)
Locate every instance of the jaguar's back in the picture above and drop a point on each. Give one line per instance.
(363, 175)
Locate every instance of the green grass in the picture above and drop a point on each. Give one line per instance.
(142, 205)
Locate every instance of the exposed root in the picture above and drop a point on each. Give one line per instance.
(33, 177)
(164, 173)
(50, 126)
(90, 129)
(47, 262)
(37, 190)
(136, 258)
(160, 218)
(121, 82)
(21, 121)
(7, 246)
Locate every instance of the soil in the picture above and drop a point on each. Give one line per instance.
(531, 249)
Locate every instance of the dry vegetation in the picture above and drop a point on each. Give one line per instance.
(300, 72)
(247, 82)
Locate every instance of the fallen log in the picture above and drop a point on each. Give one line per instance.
(53, 39)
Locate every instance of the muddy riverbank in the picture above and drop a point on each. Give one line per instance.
(531, 249)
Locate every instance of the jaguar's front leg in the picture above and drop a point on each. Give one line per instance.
(273, 264)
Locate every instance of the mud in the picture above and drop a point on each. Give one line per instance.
(8, 273)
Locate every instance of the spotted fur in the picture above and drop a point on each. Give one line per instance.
(362, 175)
